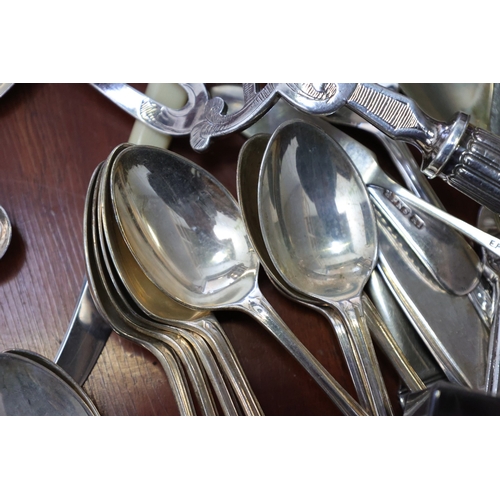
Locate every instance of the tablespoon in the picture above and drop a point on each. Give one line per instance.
(106, 308)
(176, 338)
(168, 333)
(158, 307)
(320, 231)
(249, 161)
(152, 303)
(185, 230)
(187, 346)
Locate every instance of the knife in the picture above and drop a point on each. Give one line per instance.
(84, 339)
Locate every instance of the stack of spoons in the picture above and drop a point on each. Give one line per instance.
(203, 371)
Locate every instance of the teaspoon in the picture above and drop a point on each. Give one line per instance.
(185, 230)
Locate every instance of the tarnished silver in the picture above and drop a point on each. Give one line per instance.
(5, 232)
(319, 228)
(194, 355)
(185, 230)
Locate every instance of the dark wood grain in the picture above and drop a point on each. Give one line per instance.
(52, 138)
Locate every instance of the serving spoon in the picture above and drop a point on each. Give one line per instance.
(249, 160)
(320, 231)
(185, 230)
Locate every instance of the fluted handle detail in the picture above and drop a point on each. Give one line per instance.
(474, 168)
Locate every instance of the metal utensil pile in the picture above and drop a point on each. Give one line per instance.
(166, 245)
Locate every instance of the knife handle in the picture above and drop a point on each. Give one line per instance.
(84, 340)
(474, 167)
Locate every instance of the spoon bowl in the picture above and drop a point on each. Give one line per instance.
(319, 228)
(249, 160)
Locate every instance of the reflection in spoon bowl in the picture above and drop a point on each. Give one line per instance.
(186, 232)
(249, 160)
(319, 228)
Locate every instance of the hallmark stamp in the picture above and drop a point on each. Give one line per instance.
(404, 209)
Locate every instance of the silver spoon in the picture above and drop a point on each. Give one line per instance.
(29, 388)
(62, 374)
(184, 345)
(185, 230)
(249, 161)
(106, 225)
(160, 308)
(319, 228)
(108, 311)
(441, 261)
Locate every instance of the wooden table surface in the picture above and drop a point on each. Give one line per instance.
(52, 138)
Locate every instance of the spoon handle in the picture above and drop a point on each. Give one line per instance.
(173, 372)
(352, 312)
(211, 331)
(349, 352)
(383, 337)
(257, 306)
